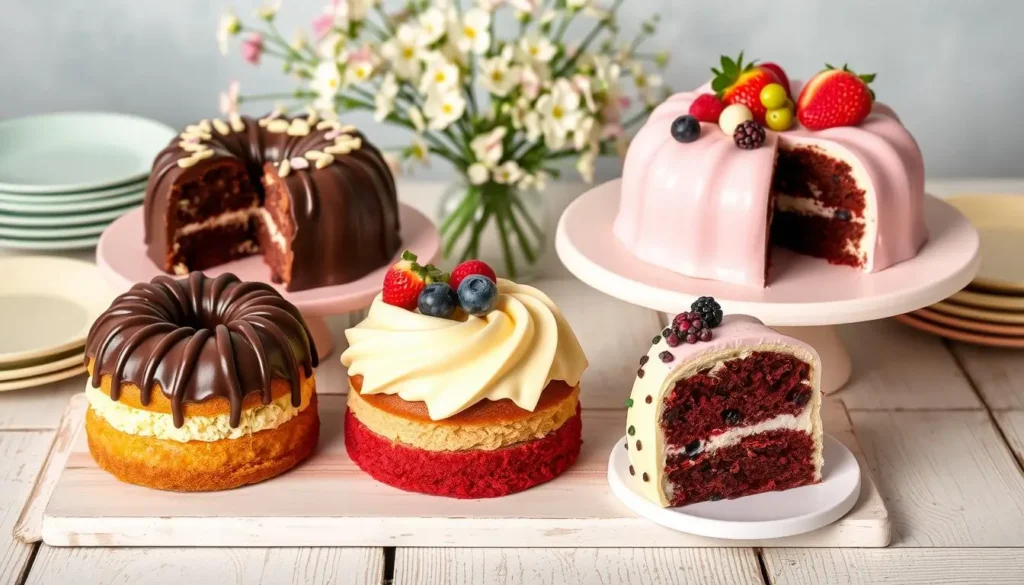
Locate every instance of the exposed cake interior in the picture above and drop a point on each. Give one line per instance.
(275, 226)
(819, 206)
(743, 425)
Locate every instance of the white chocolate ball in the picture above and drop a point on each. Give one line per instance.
(732, 116)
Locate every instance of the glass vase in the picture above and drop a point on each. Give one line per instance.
(503, 225)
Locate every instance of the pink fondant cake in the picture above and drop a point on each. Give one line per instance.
(731, 414)
(852, 194)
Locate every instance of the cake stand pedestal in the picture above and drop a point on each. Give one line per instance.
(806, 296)
(121, 256)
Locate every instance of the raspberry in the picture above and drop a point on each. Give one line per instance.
(707, 108)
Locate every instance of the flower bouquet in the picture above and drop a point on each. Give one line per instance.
(502, 111)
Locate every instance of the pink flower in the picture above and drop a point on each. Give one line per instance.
(613, 130)
(363, 54)
(229, 99)
(252, 48)
(323, 25)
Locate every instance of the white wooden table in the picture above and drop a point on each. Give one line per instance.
(942, 426)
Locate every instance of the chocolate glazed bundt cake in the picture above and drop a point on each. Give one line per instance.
(313, 196)
(200, 384)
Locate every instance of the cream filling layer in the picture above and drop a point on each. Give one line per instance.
(160, 425)
(272, 229)
(227, 218)
(788, 422)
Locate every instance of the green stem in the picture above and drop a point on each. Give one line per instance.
(520, 234)
(510, 263)
(471, 202)
(586, 41)
(473, 248)
(530, 222)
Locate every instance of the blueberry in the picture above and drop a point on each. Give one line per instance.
(686, 129)
(438, 300)
(731, 416)
(843, 215)
(692, 449)
(478, 295)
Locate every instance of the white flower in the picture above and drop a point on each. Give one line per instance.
(538, 181)
(532, 123)
(534, 48)
(443, 108)
(357, 9)
(419, 151)
(478, 174)
(488, 148)
(300, 41)
(326, 83)
(560, 112)
(596, 12)
(497, 77)
(508, 173)
(358, 71)
(384, 100)
(583, 85)
(489, 5)
(432, 24)
(525, 5)
(646, 83)
(548, 17)
(229, 99)
(332, 47)
(531, 81)
(475, 34)
(404, 51)
(393, 163)
(606, 71)
(585, 165)
(416, 117)
(577, 4)
(586, 135)
(228, 27)
(441, 74)
(268, 11)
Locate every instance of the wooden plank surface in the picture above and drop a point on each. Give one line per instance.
(342, 506)
(37, 408)
(1011, 423)
(896, 367)
(997, 373)
(222, 566)
(576, 566)
(948, 479)
(919, 566)
(21, 456)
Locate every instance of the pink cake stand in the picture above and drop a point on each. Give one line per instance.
(121, 256)
(807, 296)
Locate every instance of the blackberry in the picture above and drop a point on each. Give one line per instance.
(749, 135)
(708, 310)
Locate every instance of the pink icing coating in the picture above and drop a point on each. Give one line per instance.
(701, 209)
(736, 331)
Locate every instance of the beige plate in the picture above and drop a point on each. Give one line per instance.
(1000, 223)
(975, 314)
(44, 368)
(960, 335)
(40, 380)
(988, 301)
(47, 305)
(968, 324)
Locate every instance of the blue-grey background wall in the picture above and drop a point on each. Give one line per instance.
(951, 68)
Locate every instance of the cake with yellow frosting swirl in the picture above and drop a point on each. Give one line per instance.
(472, 394)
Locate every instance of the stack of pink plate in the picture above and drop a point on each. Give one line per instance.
(990, 311)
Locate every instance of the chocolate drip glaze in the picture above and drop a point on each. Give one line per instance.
(345, 214)
(201, 337)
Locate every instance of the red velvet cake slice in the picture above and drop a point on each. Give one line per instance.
(723, 408)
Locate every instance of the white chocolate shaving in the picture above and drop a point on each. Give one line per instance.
(284, 169)
(236, 123)
(325, 124)
(204, 125)
(324, 161)
(315, 154)
(202, 154)
(298, 127)
(198, 135)
(312, 117)
(277, 126)
(299, 163)
(222, 128)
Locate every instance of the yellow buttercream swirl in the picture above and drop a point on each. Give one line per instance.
(451, 364)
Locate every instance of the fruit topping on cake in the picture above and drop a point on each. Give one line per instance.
(732, 116)
(709, 310)
(404, 281)
(478, 295)
(835, 97)
(779, 74)
(741, 83)
(780, 108)
(749, 135)
(707, 108)
(438, 300)
(468, 268)
(686, 129)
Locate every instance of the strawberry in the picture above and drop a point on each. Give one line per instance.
(741, 83)
(404, 281)
(707, 108)
(779, 74)
(471, 267)
(835, 97)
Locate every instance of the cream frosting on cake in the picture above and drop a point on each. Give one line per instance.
(704, 208)
(451, 364)
(738, 337)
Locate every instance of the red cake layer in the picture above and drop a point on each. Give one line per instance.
(743, 392)
(277, 205)
(464, 474)
(818, 236)
(809, 172)
(774, 460)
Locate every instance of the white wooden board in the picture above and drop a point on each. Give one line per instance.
(328, 501)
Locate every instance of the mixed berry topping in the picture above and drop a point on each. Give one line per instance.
(404, 281)
(478, 295)
(411, 286)
(666, 356)
(468, 268)
(438, 300)
(709, 310)
(749, 135)
(707, 108)
(686, 129)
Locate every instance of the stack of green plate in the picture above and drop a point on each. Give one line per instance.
(65, 177)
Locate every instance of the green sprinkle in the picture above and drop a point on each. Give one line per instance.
(631, 430)
(629, 403)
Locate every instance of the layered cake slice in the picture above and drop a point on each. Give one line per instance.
(723, 408)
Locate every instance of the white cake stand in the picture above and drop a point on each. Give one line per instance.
(806, 297)
(757, 517)
(121, 256)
